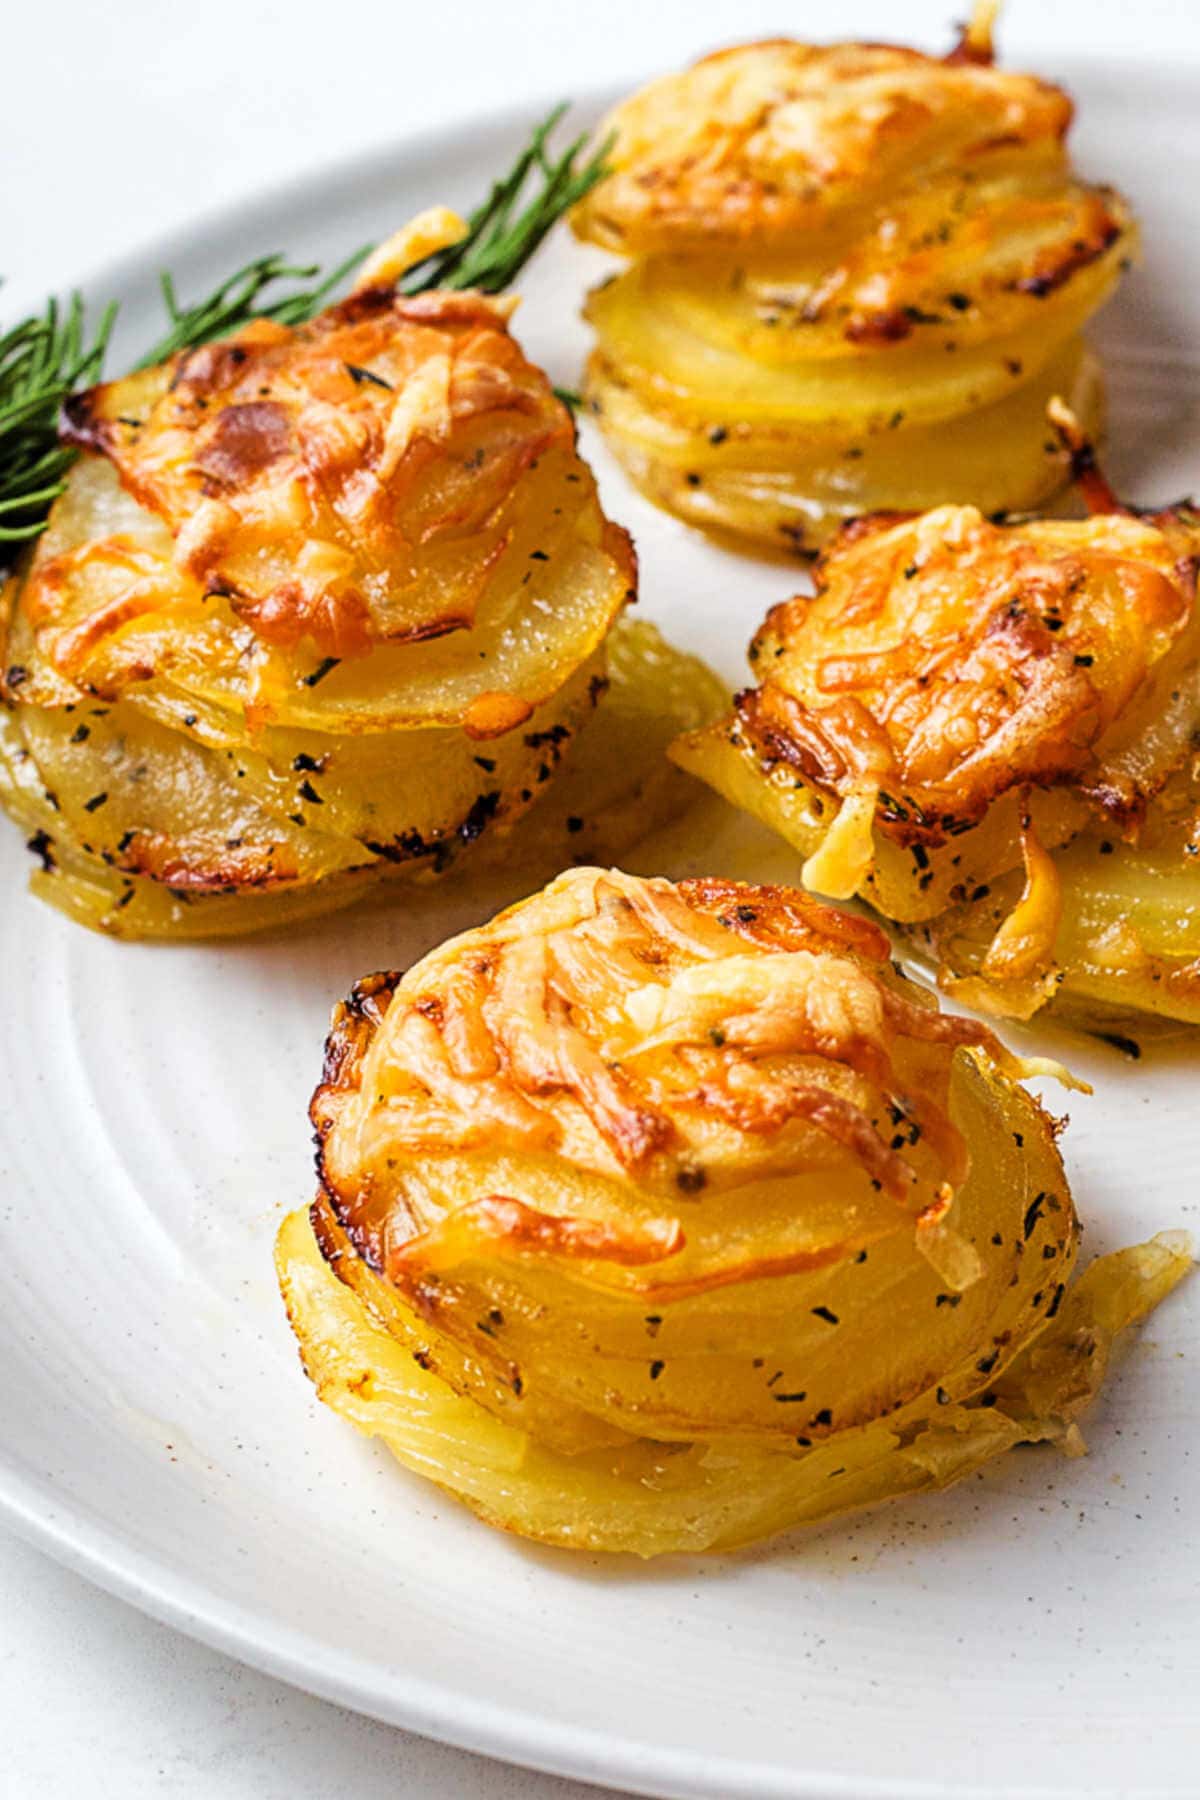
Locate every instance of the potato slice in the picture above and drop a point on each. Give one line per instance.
(768, 143)
(1009, 713)
(790, 488)
(1126, 951)
(105, 608)
(651, 1499)
(696, 381)
(618, 784)
(412, 822)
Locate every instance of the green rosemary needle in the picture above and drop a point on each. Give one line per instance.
(235, 303)
(498, 244)
(41, 361)
(49, 356)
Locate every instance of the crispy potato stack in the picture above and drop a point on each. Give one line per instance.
(661, 1217)
(989, 732)
(857, 274)
(320, 605)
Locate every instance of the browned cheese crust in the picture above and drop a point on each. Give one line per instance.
(762, 141)
(664, 1039)
(293, 467)
(944, 660)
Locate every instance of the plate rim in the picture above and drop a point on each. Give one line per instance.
(520, 1737)
(61, 1527)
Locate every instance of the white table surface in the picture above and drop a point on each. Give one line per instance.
(120, 122)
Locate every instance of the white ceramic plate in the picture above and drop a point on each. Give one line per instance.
(1036, 1631)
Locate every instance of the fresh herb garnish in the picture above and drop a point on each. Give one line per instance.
(47, 357)
(41, 361)
(235, 302)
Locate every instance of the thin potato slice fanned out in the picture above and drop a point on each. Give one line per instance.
(1127, 942)
(573, 796)
(652, 1499)
(793, 487)
(619, 785)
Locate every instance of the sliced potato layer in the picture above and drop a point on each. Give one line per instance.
(619, 784)
(793, 488)
(1126, 928)
(651, 1498)
(318, 605)
(989, 733)
(851, 288)
(771, 142)
(105, 607)
(586, 777)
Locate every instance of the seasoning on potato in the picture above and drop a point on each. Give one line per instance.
(987, 730)
(856, 274)
(321, 604)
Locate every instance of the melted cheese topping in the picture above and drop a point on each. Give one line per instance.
(945, 659)
(308, 474)
(765, 140)
(642, 1031)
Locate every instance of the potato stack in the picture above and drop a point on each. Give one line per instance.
(856, 275)
(989, 732)
(319, 605)
(661, 1217)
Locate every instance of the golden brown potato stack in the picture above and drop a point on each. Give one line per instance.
(660, 1217)
(856, 275)
(320, 604)
(989, 732)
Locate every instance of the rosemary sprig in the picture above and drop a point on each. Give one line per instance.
(41, 361)
(235, 302)
(497, 244)
(47, 357)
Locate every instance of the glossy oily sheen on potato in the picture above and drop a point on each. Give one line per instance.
(320, 604)
(583, 800)
(661, 1217)
(989, 732)
(855, 276)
